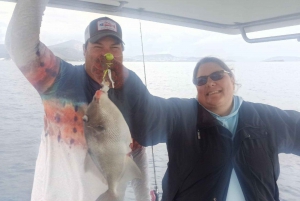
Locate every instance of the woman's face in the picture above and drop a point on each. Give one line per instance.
(216, 96)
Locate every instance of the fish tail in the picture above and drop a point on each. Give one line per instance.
(109, 196)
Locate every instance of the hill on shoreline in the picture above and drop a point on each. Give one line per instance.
(69, 51)
(282, 59)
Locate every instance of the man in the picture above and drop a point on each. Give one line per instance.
(64, 170)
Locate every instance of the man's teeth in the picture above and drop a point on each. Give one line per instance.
(213, 92)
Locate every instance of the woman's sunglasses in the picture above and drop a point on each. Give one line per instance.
(215, 76)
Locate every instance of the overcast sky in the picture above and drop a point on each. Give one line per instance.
(61, 25)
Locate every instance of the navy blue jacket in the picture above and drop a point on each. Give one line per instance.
(200, 165)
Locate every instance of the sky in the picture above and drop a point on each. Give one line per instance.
(61, 25)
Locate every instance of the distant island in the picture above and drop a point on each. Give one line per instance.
(283, 59)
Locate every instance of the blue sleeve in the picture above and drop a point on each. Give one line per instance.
(69, 85)
(150, 119)
(284, 127)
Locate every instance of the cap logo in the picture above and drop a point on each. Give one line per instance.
(107, 25)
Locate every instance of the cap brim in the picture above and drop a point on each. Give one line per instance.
(101, 35)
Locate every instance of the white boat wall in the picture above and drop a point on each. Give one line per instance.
(224, 16)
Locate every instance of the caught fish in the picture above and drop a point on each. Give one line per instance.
(108, 139)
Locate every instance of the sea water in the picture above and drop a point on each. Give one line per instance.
(21, 117)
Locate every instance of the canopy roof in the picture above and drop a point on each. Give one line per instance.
(224, 16)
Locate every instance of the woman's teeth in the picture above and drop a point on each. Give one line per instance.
(213, 92)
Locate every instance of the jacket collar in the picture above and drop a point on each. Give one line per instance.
(248, 117)
(205, 119)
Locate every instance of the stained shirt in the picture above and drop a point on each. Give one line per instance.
(64, 169)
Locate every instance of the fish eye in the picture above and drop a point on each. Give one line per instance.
(100, 127)
(85, 118)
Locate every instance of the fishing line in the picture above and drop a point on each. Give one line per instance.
(145, 76)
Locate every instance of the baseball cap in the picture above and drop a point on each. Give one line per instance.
(102, 27)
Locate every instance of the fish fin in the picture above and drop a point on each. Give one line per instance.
(89, 165)
(107, 196)
(87, 162)
(131, 171)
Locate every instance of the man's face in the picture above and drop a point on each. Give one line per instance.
(93, 51)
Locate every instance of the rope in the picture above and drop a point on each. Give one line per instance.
(153, 161)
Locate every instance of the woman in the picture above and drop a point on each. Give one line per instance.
(217, 143)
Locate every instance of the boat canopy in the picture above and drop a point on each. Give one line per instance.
(223, 16)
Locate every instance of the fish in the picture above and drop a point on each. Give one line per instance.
(108, 140)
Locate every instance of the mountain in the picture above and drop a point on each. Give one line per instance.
(69, 51)
(283, 59)
(3, 52)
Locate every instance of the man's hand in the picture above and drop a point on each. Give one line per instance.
(135, 145)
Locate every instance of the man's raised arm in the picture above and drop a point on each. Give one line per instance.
(32, 57)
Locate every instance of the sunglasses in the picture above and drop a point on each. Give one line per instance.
(215, 76)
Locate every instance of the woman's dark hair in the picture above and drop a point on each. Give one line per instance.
(211, 60)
